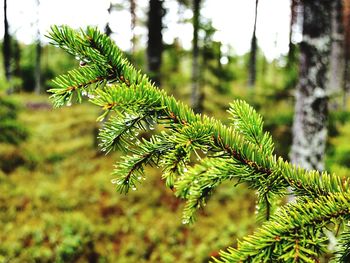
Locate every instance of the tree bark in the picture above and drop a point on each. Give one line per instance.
(253, 51)
(133, 25)
(337, 61)
(346, 26)
(291, 58)
(6, 49)
(155, 39)
(196, 94)
(311, 112)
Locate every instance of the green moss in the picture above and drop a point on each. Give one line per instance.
(64, 208)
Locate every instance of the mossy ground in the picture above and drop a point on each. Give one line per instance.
(58, 204)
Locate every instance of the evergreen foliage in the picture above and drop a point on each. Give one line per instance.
(197, 153)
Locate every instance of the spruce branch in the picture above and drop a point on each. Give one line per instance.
(243, 151)
(248, 122)
(131, 171)
(343, 247)
(276, 239)
(119, 132)
(75, 84)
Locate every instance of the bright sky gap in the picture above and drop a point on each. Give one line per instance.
(232, 18)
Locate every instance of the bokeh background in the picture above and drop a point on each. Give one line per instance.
(57, 203)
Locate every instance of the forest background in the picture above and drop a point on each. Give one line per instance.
(56, 199)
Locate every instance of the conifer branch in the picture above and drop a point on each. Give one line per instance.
(275, 240)
(243, 151)
(343, 247)
(249, 123)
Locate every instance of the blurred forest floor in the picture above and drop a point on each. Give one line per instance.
(57, 202)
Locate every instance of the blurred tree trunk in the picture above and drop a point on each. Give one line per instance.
(253, 51)
(38, 56)
(336, 66)
(155, 39)
(293, 20)
(133, 25)
(346, 25)
(196, 94)
(311, 112)
(38, 51)
(108, 30)
(6, 49)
